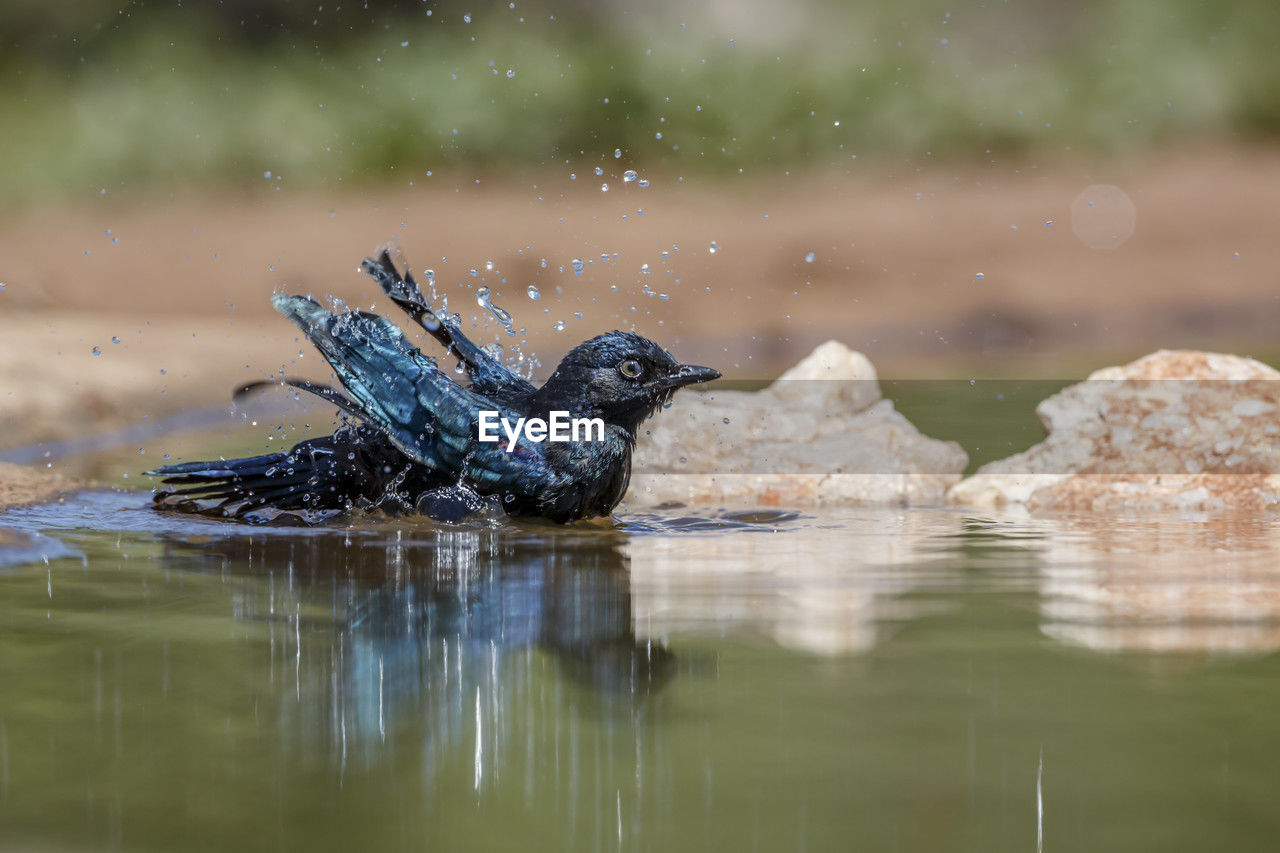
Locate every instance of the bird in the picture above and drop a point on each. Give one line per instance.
(411, 438)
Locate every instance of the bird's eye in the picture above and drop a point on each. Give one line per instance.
(631, 368)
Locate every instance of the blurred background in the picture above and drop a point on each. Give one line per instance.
(1030, 188)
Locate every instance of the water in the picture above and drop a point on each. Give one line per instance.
(865, 679)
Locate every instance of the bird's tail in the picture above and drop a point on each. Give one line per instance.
(301, 479)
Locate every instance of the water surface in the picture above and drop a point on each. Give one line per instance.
(864, 679)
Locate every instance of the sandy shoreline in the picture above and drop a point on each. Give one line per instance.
(22, 486)
(184, 285)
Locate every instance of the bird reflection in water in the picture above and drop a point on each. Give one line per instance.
(470, 640)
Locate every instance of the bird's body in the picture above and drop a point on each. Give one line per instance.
(416, 441)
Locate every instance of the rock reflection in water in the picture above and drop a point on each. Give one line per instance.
(825, 587)
(1162, 583)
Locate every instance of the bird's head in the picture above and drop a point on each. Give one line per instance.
(619, 377)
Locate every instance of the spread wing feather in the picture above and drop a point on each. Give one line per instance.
(421, 409)
(488, 375)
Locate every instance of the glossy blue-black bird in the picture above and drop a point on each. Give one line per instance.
(414, 442)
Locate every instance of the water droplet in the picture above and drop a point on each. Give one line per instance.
(726, 420)
(604, 188)
(510, 73)
(979, 276)
(599, 170)
(466, 18)
(475, 273)
(266, 174)
(1235, 255)
(644, 182)
(97, 351)
(577, 265)
(644, 269)
(810, 258)
(114, 339)
(628, 176)
(713, 248)
(484, 301)
(559, 326)
(617, 153)
(533, 293)
(488, 265)
(1048, 223)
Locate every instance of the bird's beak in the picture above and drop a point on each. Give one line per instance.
(691, 374)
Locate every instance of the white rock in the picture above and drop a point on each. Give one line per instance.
(819, 435)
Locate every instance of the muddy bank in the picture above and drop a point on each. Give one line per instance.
(936, 271)
(22, 486)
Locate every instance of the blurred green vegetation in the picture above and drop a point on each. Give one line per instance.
(157, 95)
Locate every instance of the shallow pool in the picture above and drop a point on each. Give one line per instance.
(867, 679)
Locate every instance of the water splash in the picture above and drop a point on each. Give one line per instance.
(1040, 804)
(485, 301)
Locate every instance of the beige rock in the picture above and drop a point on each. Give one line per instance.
(819, 435)
(1175, 430)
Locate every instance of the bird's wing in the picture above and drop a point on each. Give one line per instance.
(320, 390)
(403, 393)
(488, 375)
